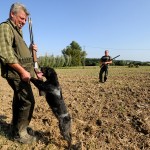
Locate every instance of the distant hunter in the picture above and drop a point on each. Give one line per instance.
(104, 62)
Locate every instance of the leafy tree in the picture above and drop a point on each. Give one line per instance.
(67, 60)
(75, 51)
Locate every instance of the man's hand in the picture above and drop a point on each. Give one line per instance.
(104, 63)
(24, 75)
(33, 47)
(39, 75)
(107, 62)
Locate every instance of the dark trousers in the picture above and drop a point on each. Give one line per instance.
(22, 105)
(103, 73)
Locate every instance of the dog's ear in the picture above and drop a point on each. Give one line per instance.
(48, 72)
(52, 71)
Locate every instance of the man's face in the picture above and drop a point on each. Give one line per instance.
(106, 53)
(19, 19)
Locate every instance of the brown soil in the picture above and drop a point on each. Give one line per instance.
(105, 116)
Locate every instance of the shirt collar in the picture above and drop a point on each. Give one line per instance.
(19, 30)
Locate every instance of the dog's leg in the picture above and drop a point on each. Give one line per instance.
(56, 102)
(38, 83)
(65, 128)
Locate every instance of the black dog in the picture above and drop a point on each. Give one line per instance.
(55, 100)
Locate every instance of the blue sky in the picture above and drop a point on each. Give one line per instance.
(121, 26)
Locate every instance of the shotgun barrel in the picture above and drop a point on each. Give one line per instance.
(32, 42)
(36, 67)
(115, 57)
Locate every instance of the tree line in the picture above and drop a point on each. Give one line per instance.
(66, 61)
(130, 63)
(73, 55)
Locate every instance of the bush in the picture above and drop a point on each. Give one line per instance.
(131, 65)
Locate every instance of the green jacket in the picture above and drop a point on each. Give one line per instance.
(21, 52)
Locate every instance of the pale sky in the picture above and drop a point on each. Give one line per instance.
(121, 26)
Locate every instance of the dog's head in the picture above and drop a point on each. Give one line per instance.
(49, 73)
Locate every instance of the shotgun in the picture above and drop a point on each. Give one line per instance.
(36, 67)
(111, 59)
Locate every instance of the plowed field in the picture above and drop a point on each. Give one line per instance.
(114, 115)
